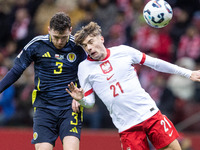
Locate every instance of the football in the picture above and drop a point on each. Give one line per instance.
(157, 13)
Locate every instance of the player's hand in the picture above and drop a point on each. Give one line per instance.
(195, 76)
(75, 106)
(76, 93)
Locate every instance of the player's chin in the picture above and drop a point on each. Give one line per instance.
(94, 56)
(59, 46)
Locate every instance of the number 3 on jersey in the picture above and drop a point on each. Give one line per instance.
(114, 88)
(59, 70)
(75, 117)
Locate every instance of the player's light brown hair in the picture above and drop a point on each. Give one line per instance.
(92, 29)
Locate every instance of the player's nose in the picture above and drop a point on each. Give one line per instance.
(59, 41)
(89, 48)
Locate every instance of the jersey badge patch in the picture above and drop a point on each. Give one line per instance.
(71, 57)
(35, 135)
(59, 56)
(106, 67)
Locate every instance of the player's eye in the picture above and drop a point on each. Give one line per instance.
(83, 45)
(90, 42)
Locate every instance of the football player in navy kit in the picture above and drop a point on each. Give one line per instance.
(56, 58)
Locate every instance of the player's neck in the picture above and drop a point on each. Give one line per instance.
(105, 54)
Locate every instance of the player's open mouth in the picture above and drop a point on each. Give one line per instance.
(93, 54)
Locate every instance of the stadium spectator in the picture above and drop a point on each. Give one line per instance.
(166, 99)
(155, 41)
(189, 6)
(22, 29)
(114, 80)
(189, 45)
(82, 11)
(3, 24)
(9, 52)
(41, 18)
(117, 32)
(196, 20)
(180, 22)
(23, 88)
(93, 118)
(135, 17)
(182, 89)
(105, 14)
(7, 104)
(85, 20)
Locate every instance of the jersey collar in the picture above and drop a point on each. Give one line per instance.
(107, 56)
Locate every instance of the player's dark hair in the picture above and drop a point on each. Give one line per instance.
(60, 22)
(92, 29)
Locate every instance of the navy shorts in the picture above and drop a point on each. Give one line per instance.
(48, 124)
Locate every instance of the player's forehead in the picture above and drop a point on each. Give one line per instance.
(89, 39)
(57, 33)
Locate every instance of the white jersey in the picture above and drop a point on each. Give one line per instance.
(115, 81)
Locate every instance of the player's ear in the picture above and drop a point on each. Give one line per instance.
(102, 38)
(70, 29)
(49, 29)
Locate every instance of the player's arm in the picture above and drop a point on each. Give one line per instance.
(75, 106)
(22, 61)
(166, 67)
(12, 76)
(160, 65)
(86, 100)
(85, 97)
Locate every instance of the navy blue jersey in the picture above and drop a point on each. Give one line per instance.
(54, 70)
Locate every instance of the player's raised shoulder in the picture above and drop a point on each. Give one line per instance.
(123, 48)
(71, 38)
(37, 38)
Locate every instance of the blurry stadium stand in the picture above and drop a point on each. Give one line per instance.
(194, 119)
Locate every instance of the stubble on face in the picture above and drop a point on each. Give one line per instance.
(59, 39)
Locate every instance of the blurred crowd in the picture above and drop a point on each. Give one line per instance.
(122, 22)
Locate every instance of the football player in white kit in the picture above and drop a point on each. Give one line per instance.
(111, 75)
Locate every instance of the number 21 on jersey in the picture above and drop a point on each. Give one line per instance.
(114, 88)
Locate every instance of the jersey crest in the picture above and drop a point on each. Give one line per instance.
(71, 57)
(106, 67)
